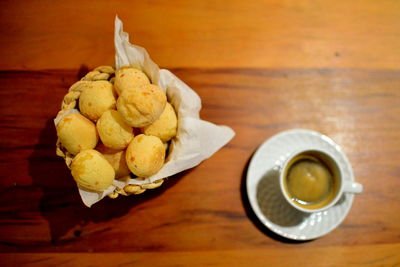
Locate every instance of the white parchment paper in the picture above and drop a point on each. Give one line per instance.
(196, 139)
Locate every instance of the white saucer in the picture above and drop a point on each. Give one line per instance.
(265, 196)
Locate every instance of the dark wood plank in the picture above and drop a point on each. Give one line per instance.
(202, 209)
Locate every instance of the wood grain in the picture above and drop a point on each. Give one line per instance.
(260, 67)
(202, 215)
(379, 255)
(364, 34)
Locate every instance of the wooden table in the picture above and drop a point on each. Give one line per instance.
(260, 67)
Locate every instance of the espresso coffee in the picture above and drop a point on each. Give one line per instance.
(311, 180)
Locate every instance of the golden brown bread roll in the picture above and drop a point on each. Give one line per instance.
(117, 159)
(145, 155)
(165, 126)
(129, 78)
(76, 133)
(96, 98)
(141, 106)
(113, 130)
(92, 171)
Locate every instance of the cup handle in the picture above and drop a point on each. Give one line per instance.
(352, 187)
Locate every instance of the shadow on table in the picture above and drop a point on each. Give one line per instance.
(271, 203)
(61, 204)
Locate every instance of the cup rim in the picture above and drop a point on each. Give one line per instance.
(282, 178)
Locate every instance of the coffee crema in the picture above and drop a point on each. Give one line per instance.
(311, 180)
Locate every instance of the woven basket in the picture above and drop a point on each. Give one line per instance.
(70, 102)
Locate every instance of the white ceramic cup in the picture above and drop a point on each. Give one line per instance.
(344, 186)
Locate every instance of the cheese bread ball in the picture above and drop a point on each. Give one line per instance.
(96, 98)
(76, 133)
(165, 126)
(141, 106)
(129, 78)
(92, 171)
(116, 158)
(113, 130)
(145, 155)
